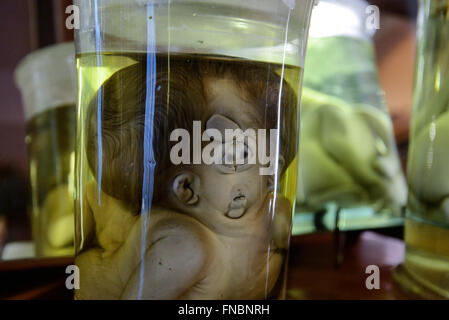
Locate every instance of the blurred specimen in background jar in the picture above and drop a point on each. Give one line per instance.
(47, 82)
(348, 154)
(426, 269)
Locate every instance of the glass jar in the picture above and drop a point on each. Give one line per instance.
(47, 80)
(186, 159)
(425, 272)
(350, 174)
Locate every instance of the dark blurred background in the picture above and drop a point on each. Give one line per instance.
(25, 25)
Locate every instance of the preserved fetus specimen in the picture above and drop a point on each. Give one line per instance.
(51, 148)
(214, 231)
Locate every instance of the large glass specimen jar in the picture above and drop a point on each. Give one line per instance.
(186, 159)
(425, 272)
(47, 80)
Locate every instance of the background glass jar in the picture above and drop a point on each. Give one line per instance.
(47, 80)
(426, 269)
(167, 204)
(350, 174)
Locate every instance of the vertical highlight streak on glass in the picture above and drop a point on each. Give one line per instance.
(98, 50)
(278, 136)
(168, 54)
(56, 152)
(278, 146)
(78, 194)
(149, 162)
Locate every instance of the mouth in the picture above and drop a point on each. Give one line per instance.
(239, 200)
(237, 207)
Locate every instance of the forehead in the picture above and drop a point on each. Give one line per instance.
(225, 97)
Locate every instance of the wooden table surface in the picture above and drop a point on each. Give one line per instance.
(312, 273)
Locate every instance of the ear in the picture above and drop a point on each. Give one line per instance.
(184, 188)
(221, 123)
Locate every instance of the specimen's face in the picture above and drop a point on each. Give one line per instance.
(229, 193)
(232, 188)
(225, 191)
